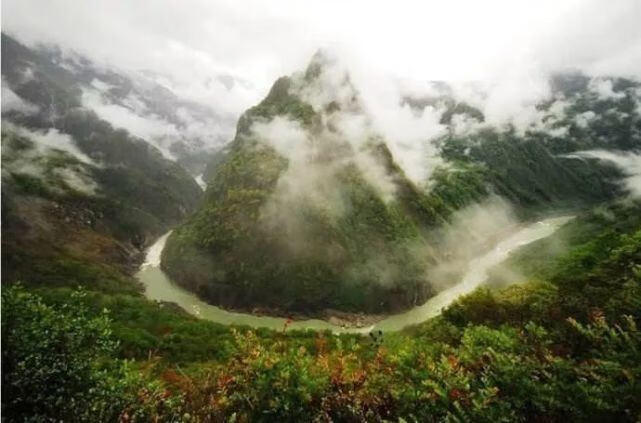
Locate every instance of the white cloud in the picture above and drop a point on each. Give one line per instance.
(603, 88)
(583, 119)
(208, 51)
(212, 131)
(194, 44)
(53, 139)
(407, 131)
(287, 137)
(509, 99)
(100, 85)
(408, 134)
(133, 113)
(48, 143)
(463, 125)
(150, 128)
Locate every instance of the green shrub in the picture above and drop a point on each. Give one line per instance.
(51, 362)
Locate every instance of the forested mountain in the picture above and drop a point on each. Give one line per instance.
(184, 131)
(313, 210)
(77, 191)
(302, 215)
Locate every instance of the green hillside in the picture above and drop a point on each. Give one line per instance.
(340, 241)
(561, 347)
(81, 209)
(308, 212)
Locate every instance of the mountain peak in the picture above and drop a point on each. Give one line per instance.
(321, 60)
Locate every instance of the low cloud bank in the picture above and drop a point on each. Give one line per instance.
(36, 161)
(195, 133)
(470, 232)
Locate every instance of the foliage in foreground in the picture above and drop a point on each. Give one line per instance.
(491, 374)
(526, 353)
(49, 360)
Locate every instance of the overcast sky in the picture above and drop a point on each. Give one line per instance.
(257, 40)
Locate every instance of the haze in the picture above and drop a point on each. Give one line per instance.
(226, 53)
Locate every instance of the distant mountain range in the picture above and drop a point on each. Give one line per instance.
(81, 196)
(183, 130)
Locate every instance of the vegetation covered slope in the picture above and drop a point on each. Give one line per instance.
(565, 347)
(81, 199)
(233, 253)
(342, 227)
(562, 346)
(189, 132)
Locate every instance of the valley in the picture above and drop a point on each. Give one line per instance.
(206, 218)
(159, 287)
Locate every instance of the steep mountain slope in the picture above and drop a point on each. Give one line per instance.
(187, 132)
(79, 195)
(303, 193)
(231, 240)
(309, 210)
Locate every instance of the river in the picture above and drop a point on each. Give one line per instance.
(159, 287)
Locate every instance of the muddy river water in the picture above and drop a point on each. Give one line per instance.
(159, 287)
